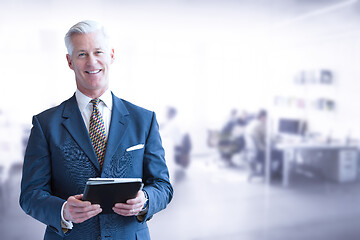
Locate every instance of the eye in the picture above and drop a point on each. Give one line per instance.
(99, 52)
(82, 54)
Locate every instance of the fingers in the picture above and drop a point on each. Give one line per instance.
(134, 201)
(79, 196)
(76, 201)
(78, 211)
(132, 206)
(139, 199)
(126, 210)
(80, 217)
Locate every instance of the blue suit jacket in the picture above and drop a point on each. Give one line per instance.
(60, 158)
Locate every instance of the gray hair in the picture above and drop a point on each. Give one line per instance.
(83, 27)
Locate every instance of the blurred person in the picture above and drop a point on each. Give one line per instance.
(182, 156)
(225, 137)
(238, 132)
(60, 156)
(178, 142)
(230, 139)
(257, 130)
(171, 135)
(257, 133)
(244, 118)
(228, 127)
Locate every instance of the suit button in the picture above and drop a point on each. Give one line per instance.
(99, 238)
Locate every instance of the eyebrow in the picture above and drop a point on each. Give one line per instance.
(80, 51)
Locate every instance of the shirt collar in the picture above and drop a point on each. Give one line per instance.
(83, 100)
(106, 97)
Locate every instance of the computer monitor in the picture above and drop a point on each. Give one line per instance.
(291, 126)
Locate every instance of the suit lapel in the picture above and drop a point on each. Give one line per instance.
(75, 125)
(118, 127)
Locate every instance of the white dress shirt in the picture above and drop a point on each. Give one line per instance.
(86, 108)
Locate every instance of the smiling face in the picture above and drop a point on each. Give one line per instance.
(90, 60)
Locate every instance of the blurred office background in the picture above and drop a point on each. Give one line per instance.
(207, 68)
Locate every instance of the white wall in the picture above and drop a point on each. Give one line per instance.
(205, 58)
(331, 41)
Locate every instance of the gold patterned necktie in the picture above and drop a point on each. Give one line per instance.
(97, 132)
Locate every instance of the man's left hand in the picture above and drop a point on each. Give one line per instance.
(132, 207)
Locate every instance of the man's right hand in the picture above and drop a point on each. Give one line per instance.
(78, 211)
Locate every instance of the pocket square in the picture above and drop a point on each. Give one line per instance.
(136, 147)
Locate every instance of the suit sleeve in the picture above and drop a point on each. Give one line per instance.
(36, 197)
(156, 174)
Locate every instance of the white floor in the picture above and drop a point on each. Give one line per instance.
(212, 201)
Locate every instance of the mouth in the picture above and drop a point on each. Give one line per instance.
(94, 71)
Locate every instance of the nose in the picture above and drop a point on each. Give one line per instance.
(91, 60)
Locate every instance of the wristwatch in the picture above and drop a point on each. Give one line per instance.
(141, 215)
(147, 200)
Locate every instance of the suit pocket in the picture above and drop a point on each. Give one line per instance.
(135, 166)
(135, 154)
(135, 147)
(143, 234)
(125, 164)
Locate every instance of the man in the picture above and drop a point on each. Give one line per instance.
(257, 133)
(257, 130)
(63, 152)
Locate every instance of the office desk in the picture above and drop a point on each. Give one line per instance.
(335, 162)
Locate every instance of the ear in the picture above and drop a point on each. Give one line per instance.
(112, 56)
(68, 58)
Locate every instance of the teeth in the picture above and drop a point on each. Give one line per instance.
(93, 72)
